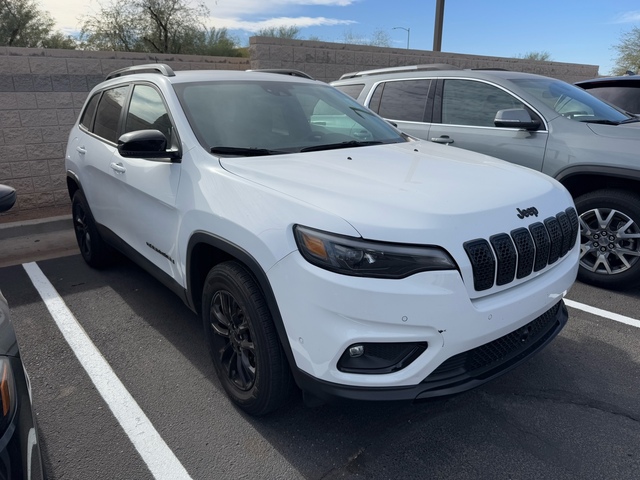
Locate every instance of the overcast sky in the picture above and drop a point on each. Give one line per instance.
(571, 31)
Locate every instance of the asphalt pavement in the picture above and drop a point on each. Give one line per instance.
(36, 240)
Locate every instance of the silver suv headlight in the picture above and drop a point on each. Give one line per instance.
(365, 258)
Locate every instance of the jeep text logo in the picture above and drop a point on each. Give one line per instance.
(527, 212)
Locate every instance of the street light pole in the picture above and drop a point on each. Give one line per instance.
(408, 30)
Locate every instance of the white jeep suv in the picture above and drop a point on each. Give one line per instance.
(319, 244)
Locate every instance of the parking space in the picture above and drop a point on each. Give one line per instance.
(570, 412)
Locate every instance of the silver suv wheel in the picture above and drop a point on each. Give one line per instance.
(609, 238)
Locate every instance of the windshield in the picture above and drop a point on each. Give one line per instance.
(270, 117)
(570, 101)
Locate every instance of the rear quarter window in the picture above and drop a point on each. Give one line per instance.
(353, 91)
(403, 100)
(86, 120)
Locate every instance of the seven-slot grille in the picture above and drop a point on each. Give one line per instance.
(505, 257)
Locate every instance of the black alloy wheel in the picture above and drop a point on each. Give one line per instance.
(232, 340)
(92, 247)
(242, 340)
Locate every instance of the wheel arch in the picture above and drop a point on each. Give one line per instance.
(584, 179)
(73, 184)
(204, 251)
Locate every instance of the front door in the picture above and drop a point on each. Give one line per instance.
(465, 119)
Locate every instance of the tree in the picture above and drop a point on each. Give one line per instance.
(115, 27)
(154, 26)
(291, 32)
(24, 24)
(539, 56)
(59, 40)
(628, 49)
(213, 42)
(379, 38)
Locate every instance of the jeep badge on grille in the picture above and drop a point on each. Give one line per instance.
(527, 212)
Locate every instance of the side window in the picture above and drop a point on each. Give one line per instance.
(352, 90)
(467, 102)
(108, 113)
(401, 100)
(147, 112)
(87, 116)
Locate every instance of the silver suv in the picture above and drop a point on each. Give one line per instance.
(539, 122)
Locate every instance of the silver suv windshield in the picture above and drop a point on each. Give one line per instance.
(572, 102)
(269, 117)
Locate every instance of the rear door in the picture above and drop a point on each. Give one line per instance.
(463, 116)
(94, 150)
(406, 103)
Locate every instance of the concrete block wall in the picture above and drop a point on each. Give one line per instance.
(43, 90)
(328, 61)
(41, 94)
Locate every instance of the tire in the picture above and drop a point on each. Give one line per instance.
(92, 247)
(609, 238)
(242, 340)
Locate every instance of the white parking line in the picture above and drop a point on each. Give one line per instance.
(603, 313)
(161, 461)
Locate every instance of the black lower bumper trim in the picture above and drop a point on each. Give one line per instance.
(459, 373)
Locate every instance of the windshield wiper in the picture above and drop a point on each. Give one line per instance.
(630, 120)
(612, 122)
(245, 151)
(333, 146)
(602, 122)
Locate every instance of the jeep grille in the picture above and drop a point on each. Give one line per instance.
(506, 257)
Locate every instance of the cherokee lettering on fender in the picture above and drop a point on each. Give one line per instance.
(527, 212)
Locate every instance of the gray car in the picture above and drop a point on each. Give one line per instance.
(591, 147)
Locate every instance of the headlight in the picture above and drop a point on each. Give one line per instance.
(7, 394)
(364, 258)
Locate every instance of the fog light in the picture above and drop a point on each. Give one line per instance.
(356, 351)
(379, 358)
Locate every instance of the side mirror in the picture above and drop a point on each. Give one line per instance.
(146, 144)
(7, 198)
(516, 118)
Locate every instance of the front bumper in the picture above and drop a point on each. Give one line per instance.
(459, 373)
(324, 313)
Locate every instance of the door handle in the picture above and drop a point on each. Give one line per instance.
(81, 150)
(118, 167)
(443, 139)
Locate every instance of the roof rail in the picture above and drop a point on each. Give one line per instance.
(408, 68)
(162, 68)
(284, 71)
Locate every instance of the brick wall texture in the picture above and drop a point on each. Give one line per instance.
(41, 94)
(328, 61)
(43, 90)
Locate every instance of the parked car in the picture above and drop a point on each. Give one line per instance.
(623, 92)
(541, 123)
(318, 243)
(19, 445)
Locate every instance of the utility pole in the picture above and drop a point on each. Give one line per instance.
(437, 30)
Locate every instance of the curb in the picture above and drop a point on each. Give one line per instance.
(35, 227)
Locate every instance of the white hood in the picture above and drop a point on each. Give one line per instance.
(411, 192)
